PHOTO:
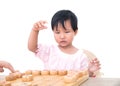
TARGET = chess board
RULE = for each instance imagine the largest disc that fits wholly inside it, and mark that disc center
(69, 79)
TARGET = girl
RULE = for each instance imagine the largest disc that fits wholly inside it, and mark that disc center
(63, 56)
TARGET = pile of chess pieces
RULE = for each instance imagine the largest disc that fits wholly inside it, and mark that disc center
(45, 78)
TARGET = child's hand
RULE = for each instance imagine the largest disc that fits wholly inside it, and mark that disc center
(40, 25)
(4, 64)
(94, 65)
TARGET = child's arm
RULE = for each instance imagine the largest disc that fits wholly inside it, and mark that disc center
(33, 38)
(4, 64)
(94, 65)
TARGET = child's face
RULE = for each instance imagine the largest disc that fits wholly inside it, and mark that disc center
(64, 36)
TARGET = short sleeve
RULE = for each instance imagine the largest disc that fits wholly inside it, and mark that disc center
(43, 52)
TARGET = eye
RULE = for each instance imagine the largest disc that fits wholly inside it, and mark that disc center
(67, 32)
(57, 32)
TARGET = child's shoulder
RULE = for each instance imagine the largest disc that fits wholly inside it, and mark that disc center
(47, 46)
(80, 50)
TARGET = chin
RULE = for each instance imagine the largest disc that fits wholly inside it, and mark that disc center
(63, 45)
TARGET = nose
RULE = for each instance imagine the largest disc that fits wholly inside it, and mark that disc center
(62, 35)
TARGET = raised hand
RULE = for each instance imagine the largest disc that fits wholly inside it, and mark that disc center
(40, 25)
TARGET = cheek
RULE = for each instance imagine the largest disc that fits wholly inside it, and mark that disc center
(70, 36)
(56, 37)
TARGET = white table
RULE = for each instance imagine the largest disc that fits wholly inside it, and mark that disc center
(102, 82)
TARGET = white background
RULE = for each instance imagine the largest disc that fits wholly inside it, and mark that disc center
(99, 24)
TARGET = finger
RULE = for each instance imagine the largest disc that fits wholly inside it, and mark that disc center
(41, 23)
(96, 61)
(1, 66)
(44, 22)
(11, 68)
(97, 65)
(92, 62)
(44, 26)
(98, 68)
(36, 25)
(1, 70)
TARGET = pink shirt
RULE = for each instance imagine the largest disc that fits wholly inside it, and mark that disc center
(55, 59)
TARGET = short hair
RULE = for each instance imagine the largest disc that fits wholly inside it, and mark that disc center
(61, 16)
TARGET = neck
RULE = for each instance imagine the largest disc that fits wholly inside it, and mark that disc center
(68, 49)
(65, 47)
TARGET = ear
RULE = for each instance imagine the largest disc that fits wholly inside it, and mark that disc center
(76, 32)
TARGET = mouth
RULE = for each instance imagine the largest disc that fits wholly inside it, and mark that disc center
(62, 41)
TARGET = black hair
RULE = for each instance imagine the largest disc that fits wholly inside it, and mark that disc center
(63, 15)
